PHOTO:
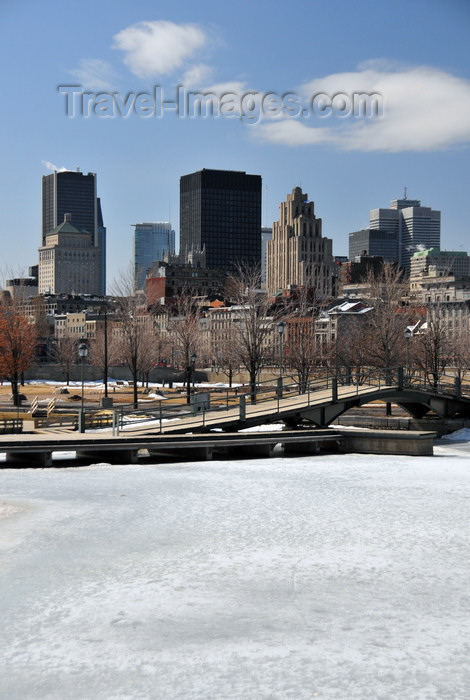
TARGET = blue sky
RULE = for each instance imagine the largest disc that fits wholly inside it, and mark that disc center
(414, 55)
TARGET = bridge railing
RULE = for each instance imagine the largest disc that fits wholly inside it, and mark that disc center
(247, 403)
(328, 384)
(439, 383)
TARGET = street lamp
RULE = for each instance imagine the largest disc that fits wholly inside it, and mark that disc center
(408, 334)
(281, 326)
(82, 353)
(104, 308)
(193, 362)
(190, 372)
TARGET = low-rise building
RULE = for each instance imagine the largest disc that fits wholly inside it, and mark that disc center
(434, 262)
(432, 289)
(167, 281)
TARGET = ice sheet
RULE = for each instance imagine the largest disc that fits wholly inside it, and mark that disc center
(327, 576)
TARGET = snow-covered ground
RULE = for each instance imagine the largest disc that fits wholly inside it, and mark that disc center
(341, 577)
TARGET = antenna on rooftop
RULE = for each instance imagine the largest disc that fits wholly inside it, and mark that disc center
(404, 196)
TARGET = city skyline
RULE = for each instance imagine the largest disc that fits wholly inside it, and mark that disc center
(348, 166)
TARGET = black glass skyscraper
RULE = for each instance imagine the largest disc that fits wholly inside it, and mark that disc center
(220, 212)
(73, 192)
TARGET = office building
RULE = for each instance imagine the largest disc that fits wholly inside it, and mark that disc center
(220, 215)
(298, 254)
(416, 227)
(69, 261)
(152, 243)
(73, 192)
(376, 243)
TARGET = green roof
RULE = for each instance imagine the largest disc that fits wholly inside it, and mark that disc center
(66, 227)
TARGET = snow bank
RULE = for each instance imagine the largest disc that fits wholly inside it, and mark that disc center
(462, 435)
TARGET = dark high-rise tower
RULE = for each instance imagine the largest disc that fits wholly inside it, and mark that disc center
(72, 192)
(220, 213)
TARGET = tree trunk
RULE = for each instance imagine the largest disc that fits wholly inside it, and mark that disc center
(135, 375)
(14, 389)
(253, 373)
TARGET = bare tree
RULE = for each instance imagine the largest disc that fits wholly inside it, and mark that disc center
(184, 329)
(433, 347)
(103, 351)
(305, 351)
(256, 318)
(227, 355)
(148, 355)
(351, 350)
(65, 354)
(383, 332)
(131, 328)
(461, 352)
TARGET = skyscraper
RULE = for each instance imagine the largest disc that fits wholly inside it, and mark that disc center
(220, 213)
(151, 242)
(416, 227)
(73, 192)
(298, 254)
(374, 242)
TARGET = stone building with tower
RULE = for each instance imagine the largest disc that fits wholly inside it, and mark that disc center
(69, 261)
(298, 255)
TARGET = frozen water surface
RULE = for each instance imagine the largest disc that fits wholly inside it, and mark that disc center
(340, 577)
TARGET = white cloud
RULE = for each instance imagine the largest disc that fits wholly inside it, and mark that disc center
(233, 87)
(197, 75)
(94, 74)
(290, 132)
(54, 168)
(424, 109)
(158, 48)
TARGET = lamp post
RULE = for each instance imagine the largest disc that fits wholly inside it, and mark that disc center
(408, 334)
(281, 326)
(82, 353)
(105, 368)
(190, 372)
(193, 362)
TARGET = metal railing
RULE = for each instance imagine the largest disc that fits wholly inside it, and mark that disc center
(246, 403)
(11, 426)
(329, 384)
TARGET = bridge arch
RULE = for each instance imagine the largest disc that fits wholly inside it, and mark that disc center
(415, 402)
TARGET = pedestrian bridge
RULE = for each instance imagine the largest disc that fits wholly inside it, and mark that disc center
(326, 398)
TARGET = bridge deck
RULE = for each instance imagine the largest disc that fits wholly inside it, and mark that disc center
(258, 413)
